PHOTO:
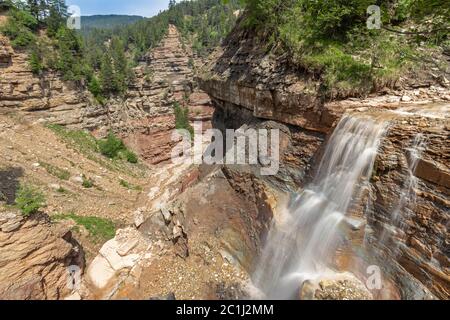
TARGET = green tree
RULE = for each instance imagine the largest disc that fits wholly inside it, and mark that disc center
(107, 79)
(35, 62)
(120, 63)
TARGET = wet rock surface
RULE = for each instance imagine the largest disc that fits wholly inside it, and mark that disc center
(249, 87)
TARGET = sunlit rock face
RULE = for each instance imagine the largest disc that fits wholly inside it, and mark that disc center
(35, 256)
(44, 97)
(145, 118)
(409, 216)
(399, 221)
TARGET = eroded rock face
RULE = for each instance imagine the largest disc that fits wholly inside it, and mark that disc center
(243, 74)
(119, 260)
(44, 97)
(410, 215)
(146, 117)
(249, 87)
(34, 257)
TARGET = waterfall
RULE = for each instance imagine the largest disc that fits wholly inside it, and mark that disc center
(407, 197)
(302, 242)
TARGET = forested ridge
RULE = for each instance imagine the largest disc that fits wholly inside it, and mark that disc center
(329, 40)
(103, 58)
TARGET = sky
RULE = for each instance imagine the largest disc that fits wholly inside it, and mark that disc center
(146, 8)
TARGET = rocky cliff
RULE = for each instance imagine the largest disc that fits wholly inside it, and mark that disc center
(44, 97)
(35, 256)
(144, 117)
(253, 89)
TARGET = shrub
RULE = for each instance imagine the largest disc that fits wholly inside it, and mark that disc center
(111, 146)
(29, 200)
(182, 119)
(94, 87)
(87, 183)
(114, 148)
(130, 156)
(35, 63)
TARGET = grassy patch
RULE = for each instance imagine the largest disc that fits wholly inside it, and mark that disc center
(100, 229)
(87, 182)
(80, 139)
(110, 153)
(29, 200)
(129, 186)
(55, 171)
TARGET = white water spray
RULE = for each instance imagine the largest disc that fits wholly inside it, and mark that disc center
(407, 195)
(302, 245)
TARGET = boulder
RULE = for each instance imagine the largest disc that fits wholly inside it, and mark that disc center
(116, 259)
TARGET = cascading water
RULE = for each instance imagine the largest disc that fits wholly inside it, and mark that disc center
(301, 245)
(407, 194)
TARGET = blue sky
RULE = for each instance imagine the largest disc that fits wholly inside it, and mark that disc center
(146, 8)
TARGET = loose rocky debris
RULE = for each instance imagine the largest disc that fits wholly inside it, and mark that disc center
(339, 287)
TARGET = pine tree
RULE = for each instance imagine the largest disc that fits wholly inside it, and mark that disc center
(120, 64)
(107, 79)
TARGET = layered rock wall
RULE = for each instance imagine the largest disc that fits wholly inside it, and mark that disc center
(252, 89)
(44, 97)
(34, 258)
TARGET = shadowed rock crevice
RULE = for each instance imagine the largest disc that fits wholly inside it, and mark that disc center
(9, 184)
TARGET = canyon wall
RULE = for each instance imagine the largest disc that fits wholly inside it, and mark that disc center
(144, 117)
(253, 89)
(44, 97)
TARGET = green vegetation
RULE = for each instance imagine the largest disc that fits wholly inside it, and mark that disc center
(29, 200)
(87, 182)
(114, 148)
(20, 28)
(204, 23)
(80, 139)
(129, 186)
(103, 58)
(330, 39)
(182, 118)
(99, 229)
(111, 147)
(61, 49)
(62, 190)
(55, 171)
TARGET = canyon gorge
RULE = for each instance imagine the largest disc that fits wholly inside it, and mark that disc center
(363, 183)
